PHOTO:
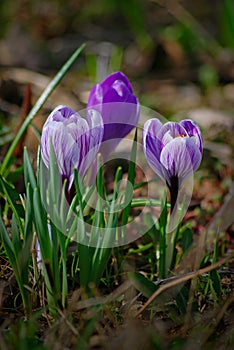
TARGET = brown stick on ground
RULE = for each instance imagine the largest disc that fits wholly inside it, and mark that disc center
(183, 279)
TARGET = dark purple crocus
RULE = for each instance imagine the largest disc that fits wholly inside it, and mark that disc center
(76, 141)
(113, 98)
(173, 150)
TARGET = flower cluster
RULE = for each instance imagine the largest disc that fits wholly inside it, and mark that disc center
(173, 150)
(113, 111)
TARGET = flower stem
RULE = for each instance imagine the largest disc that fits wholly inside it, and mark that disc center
(174, 189)
(170, 236)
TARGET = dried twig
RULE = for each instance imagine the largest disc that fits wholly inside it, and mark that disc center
(183, 279)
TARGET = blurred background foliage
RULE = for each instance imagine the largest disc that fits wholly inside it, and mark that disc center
(186, 32)
(174, 50)
(177, 52)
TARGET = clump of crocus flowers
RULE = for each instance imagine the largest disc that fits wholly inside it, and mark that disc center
(112, 112)
(173, 150)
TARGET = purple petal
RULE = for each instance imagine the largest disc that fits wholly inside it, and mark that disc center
(193, 131)
(119, 108)
(60, 114)
(93, 141)
(180, 157)
(152, 146)
(96, 96)
(112, 78)
(96, 128)
(171, 130)
(75, 142)
(119, 85)
(119, 119)
(119, 92)
(64, 148)
(150, 136)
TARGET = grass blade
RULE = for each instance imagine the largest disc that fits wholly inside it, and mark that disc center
(141, 283)
(38, 105)
(12, 198)
(29, 177)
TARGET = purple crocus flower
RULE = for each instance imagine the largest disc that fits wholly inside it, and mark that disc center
(173, 150)
(113, 98)
(76, 141)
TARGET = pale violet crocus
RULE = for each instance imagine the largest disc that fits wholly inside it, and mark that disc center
(76, 141)
(114, 99)
(173, 150)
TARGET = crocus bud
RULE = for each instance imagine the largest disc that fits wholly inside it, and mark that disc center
(75, 141)
(113, 98)
(173, 150)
